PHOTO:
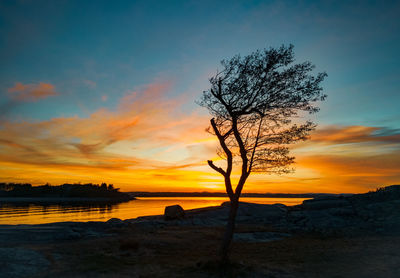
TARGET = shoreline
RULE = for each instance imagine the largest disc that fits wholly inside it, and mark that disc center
(27, 213)
(244, 195)
(55, 200)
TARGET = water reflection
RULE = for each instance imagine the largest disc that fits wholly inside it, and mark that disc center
(23, 213)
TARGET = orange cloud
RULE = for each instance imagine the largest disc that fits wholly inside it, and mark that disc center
(31, 92)
(355, 134)
(349, 173)
(145, 141)
(339, 159)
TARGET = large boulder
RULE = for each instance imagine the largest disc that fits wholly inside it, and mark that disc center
(174, 212)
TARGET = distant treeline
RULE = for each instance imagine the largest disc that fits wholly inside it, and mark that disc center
(76, 190)
(387, 193)
(220, 194)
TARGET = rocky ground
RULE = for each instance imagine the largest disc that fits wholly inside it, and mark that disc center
(356, 236)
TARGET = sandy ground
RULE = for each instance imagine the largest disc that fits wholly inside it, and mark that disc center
(175, 251)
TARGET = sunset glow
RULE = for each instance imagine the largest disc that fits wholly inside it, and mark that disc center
(114, 101)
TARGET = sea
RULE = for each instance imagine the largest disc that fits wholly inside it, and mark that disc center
(22, 213)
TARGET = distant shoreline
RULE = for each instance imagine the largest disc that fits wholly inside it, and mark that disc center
(56, 200)
(64, 193)
(220, 194)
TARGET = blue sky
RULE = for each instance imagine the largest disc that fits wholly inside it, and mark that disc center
(126, 44)
(93, 53)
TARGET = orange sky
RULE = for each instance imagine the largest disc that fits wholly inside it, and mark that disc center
(147, 143)
(104, 91)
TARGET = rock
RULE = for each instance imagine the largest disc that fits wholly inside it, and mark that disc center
(174, 212)
(21, 262)
(311, 220)
(67, 234)
(116, 222)
(259, 236)
(92, 234)
(328, 215)
(226, 204)
(248, 213)
(266, 214)
(325, 203)
(342, 211)
(149, 225)
(197, 221)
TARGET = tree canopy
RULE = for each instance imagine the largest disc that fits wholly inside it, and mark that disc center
(254, 100)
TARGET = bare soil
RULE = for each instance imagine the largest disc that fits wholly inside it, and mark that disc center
(174, 251)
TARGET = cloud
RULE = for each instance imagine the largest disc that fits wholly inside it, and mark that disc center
(347, 159)
(355, 134)
(146, 134)
(148, 143)
(89, 83)
(31, 92)
(353, 173)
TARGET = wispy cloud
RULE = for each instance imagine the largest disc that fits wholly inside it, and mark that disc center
(146, 133)
(355, 134)
(31, 92)
(148, 143)
(89, 83)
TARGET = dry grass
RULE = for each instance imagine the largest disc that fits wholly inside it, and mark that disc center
(192, 252)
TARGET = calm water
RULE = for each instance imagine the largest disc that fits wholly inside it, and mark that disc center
(38, 214)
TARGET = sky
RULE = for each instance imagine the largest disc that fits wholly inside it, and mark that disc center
(105, 91)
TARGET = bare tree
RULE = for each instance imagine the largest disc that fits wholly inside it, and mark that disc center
(256, 102)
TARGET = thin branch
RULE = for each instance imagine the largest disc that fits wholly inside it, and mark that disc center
(218, 169)
(229, 158)
(255, 146)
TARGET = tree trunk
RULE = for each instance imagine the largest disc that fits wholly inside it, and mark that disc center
(230, 227)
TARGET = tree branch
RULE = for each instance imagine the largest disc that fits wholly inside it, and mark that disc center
(243, 155)
(255, 146)
(229, 158)
(218, 169)
(221, 140)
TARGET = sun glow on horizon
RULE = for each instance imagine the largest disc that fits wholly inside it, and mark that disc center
(141, 151)
(108, 94)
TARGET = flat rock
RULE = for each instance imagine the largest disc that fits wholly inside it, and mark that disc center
(21, 262)
(325, 203)
(259, 236)
(260, 213)
(116, 222)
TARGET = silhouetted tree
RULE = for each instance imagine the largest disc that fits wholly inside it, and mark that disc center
(253, 101)
(88, 190)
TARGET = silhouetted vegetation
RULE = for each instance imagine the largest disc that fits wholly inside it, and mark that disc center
(381, 194)
(253, 101)
(88, 190)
